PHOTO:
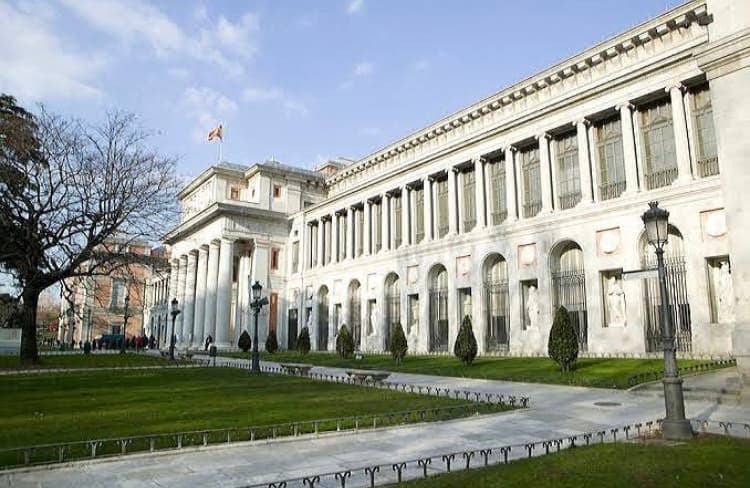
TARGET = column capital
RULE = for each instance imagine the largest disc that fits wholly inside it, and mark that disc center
(543, 136)
(625, 104)
(215, 242)
(228, 240)
(675, 86)
(203, 248)
(510, 148)
(478, 160)
(582, 121)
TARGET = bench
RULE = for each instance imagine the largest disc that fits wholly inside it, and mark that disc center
(362, 375)
(297, 369)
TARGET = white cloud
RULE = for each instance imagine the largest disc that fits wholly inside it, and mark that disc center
(261, 94)
(355, 6)
(37, 64)
(136, 22)
(291, 106)
(295, 108)
(364, 68)
(207, 107)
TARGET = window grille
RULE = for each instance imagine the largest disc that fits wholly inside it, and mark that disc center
(441, 188)
(611, 159)
(469, 200)
(568, 174)
(532, 181)
(659, 153)
(419, 214)
(705, 136)
(499, 211)
(397, 209)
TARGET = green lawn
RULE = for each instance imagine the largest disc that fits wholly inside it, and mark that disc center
(52, 408)
(86, 361)
(603, 373)
(708, 461)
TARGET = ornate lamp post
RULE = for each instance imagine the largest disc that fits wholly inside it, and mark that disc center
(675, 426)
(256, 304)
(125, 324)
(175, 312)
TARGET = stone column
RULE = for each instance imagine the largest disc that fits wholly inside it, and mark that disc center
(350, 233)
(385, 219)
(480, 193)
(173, 277)
(224, 293)
(510, 183)
(240, 311)
(428, 223)
(367, 229)
(452, 202)
(200, 297)
(335, 238)
(584, 160)
(188, 311)
(212, 278)
(405, 215)
(628, 147)
(521, 194)
(545, 168)
(682, 150)
(181, 277)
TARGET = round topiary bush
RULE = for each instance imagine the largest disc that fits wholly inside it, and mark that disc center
(303, 341)
(344, 343)
(563, 341)
(399, 346)
(465, 347)
(245, 342)
(272, 343)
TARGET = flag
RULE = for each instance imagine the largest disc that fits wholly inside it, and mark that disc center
(215, 134)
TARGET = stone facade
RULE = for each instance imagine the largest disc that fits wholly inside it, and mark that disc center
(525, 201)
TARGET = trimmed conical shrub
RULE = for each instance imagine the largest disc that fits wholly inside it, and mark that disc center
(303, 341)
(272, 343)
(245, 342)
(399, 346)
(344, 343)
(465, 347)
(563, 341)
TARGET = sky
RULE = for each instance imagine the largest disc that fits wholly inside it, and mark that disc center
(298, 81)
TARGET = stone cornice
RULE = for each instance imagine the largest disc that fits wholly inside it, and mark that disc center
(679, 19)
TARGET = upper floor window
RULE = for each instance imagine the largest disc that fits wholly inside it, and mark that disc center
(703, 128)
(295, 256)
(441, 193)
(359, 236)
(234, 193)
(660, 158)
(277, 191)
(469, 200)
(118, 293)
(377, 227)
(499, 210)
(419, 215)
(568, 178)
(343, 229)
(531, 178)
(397, 215)
(611, 159)
(275, 258)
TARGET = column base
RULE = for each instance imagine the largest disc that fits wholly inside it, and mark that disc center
(222, 346)
(677, 430)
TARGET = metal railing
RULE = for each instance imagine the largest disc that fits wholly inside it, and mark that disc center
(609, 191)
(532, 208)
(647, 376)
(569, 200)
(499, 216)
(708, 167)
(447, 462)
(661, 178)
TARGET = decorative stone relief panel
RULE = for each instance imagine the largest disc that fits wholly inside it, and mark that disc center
(412, 275)
(463, 266)
(713, 224)
(527, 255)
(608, 242)
(372, 281)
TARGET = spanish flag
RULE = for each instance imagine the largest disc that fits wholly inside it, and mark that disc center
(215, 134)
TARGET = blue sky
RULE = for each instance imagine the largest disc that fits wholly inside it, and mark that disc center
(302, 81)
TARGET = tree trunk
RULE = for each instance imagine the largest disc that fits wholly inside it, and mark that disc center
(29, 354)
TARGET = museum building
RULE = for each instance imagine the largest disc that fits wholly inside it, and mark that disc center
(504, 211)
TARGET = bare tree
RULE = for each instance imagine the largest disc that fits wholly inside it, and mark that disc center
(87, 186)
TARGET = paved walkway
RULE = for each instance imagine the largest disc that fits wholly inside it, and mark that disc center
(556, 412)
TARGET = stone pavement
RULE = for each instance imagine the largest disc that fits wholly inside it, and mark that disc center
(556, 412)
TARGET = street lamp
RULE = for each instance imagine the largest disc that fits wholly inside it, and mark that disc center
(256, 304)
(125, 324)
(675, 426)
(71, 320)
(175, 312)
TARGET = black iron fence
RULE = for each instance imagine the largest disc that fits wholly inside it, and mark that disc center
(644, 377)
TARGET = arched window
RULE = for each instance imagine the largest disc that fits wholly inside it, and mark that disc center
(392, 306)
(438, 309)
(355, 313)
(496, 303)
(323, 318)
(679, 306)
(569, 287)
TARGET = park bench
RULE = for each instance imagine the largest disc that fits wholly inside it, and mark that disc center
(362, 375)
(296, 369)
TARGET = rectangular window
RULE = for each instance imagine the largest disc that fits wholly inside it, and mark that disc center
(277, 191)
(660, 157)
(342, 235)
(119, 290)
(703, 130)
(234, 193)
(327, 240)
(295, 256)
(499, 210)
(396, 202)
(115, 329)
(611, 159)
(377, 227)
(441, 192)
(531, 178)
(360, 216)
(469, 200)
(412, 325)
(419, 215)
(274, 259)
(568, 174)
